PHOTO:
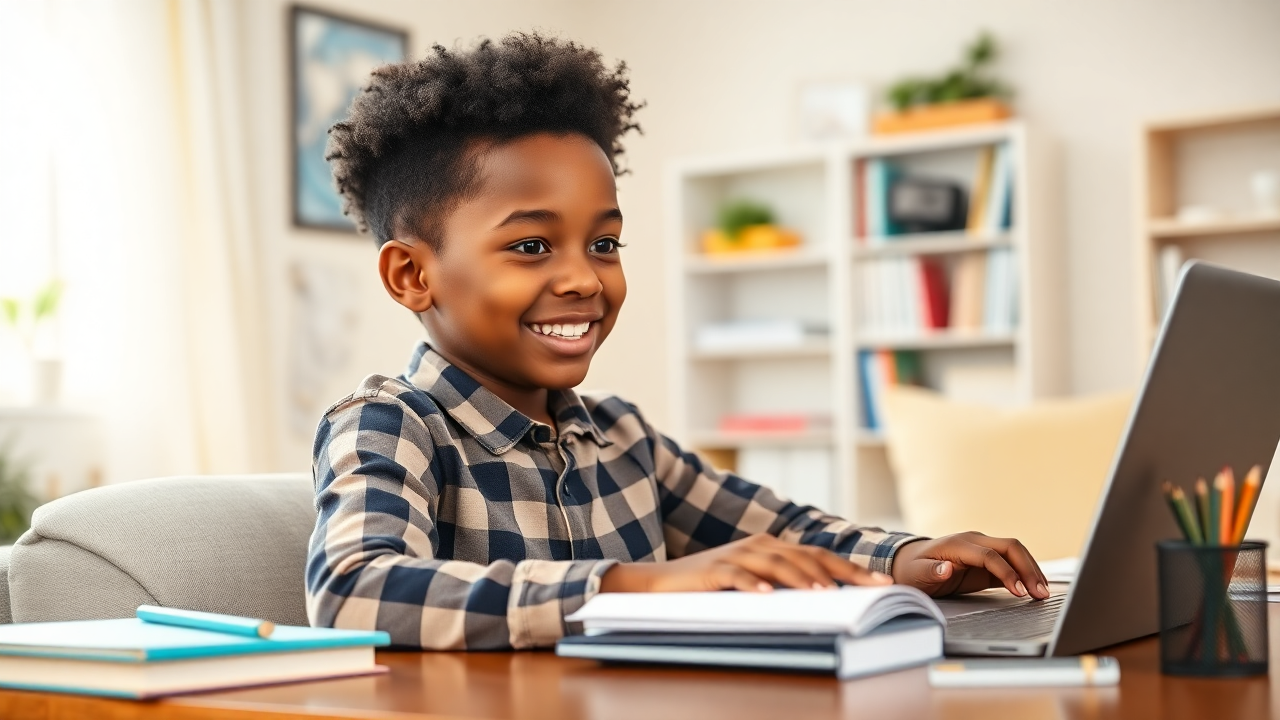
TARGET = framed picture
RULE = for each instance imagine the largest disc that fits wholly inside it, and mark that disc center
(331, 57)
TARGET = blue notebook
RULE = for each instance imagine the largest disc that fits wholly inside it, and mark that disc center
(132, 658)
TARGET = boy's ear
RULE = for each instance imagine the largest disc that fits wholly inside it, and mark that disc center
(403, 268)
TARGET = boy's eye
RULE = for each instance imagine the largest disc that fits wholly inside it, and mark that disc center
(531, 247)
(605, 246)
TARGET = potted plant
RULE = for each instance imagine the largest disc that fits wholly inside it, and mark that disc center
(962, 95)
(27, 319)
(16, 500)
(746, 226)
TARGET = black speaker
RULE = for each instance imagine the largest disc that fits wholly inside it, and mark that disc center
(927, 205)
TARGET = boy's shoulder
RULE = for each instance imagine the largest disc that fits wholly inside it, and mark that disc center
(383, 390)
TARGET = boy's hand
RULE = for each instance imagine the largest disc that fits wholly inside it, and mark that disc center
(752, 564)
(968, 562)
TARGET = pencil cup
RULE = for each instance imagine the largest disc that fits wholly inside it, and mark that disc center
(1213, 609)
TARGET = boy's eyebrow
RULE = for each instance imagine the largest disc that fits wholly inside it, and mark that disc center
(534, 216)
(537, 216)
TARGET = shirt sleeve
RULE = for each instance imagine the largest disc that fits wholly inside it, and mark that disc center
(372, 562)
(703, 507)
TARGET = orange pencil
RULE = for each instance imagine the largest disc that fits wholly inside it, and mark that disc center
(1225, 484)
(1249, 490)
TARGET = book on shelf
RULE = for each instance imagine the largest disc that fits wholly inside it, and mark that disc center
(850, 632)
(879, 369)
(877, 176)
(774, 423)
(743, 335)
(901, 295)
(991, 199)
(800, 474)
(132, 658)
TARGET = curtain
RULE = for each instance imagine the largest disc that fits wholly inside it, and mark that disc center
(150, 225)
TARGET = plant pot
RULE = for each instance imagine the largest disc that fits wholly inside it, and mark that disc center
(950, 114)
(46, 381)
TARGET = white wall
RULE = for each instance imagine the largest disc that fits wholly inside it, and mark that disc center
(721, 76)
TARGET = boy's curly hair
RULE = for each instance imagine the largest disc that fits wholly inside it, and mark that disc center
(407, 151)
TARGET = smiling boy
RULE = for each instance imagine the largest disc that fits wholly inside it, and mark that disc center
(476, 500)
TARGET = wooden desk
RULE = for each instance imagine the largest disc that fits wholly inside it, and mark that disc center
(536, 685)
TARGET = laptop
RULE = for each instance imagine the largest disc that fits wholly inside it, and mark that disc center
(1210, 397)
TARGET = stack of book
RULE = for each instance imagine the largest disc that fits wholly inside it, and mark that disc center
(878, 369)
(176, 651)
(745, 335)
(851, 632)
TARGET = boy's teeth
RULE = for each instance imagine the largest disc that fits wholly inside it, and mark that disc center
(562, 330)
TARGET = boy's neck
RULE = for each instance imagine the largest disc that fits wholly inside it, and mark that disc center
(532, 403)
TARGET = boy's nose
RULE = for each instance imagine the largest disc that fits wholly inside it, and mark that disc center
(577, 276)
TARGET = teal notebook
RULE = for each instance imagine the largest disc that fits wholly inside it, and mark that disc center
(132, 658)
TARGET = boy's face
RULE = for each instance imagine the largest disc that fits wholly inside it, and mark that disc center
(528, 281)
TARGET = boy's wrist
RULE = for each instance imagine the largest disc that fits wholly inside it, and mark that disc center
(625, 577)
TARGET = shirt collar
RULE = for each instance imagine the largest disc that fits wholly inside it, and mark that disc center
(495, 425)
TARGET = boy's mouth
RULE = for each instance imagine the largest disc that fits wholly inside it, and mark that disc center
(568, 339)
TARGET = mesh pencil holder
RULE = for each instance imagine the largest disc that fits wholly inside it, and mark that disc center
(1213, 609)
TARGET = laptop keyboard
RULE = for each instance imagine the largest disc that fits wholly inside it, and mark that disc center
(1017, 622)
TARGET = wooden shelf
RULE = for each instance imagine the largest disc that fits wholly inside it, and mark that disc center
(952, 339)
(714, 439)
(807, 349)
(1172, 228)
(940, 243)
(754, 262)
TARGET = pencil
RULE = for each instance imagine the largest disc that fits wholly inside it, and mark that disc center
(1249, 490)
(1185, 518)
(1202, 503)
(1211, 531)
(1225, 484)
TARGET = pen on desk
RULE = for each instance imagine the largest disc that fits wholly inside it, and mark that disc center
(231, 624)
(1226, 485)
(1249, 490)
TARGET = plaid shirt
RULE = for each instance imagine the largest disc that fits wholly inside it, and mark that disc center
(452, 521)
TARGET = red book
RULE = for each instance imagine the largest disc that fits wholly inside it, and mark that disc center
(935, 300)
(770, 423)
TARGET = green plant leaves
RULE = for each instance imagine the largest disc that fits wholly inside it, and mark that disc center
(16, 500)
(740, 213)
(964, 82)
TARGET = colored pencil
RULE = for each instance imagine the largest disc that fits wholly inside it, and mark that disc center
(1225, 484)
(1211, 531)
(1202, 503)
(1186, 520)
(1249, 490)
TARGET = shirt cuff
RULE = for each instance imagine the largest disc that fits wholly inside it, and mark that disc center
(881, 559)
(543, 592)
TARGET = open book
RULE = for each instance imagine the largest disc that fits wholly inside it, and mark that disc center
(852, 632)
(851, 610)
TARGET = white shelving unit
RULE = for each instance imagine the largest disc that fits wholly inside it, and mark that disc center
(811, 190)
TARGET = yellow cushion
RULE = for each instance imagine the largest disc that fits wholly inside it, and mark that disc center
(1031, 473)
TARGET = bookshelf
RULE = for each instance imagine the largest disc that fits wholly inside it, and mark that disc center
(1202, 161)
(838, 462)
